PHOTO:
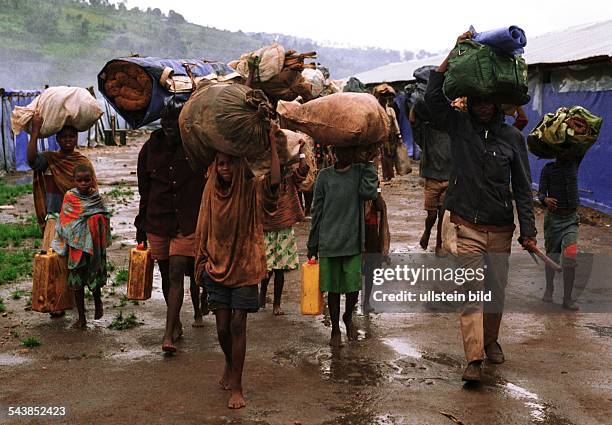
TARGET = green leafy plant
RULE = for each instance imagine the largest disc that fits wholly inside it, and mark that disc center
(17, 294)
(30, 342)
(2, 305)
(121, 277)
(121, 323)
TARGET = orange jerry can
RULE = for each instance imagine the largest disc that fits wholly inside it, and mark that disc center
(312, 298)
(140, 274)
(50, 291)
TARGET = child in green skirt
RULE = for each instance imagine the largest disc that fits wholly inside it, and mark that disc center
(337, 233)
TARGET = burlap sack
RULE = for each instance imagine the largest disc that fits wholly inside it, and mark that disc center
(59, 106)
(341, 119)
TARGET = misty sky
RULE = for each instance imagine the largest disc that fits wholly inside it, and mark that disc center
(396, 24)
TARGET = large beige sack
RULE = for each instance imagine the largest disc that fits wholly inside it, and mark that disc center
(270, 61)
(449, 234)
(59, 106)
(341, 119)
(316, 80)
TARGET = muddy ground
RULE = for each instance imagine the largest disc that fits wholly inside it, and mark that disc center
(405, 368)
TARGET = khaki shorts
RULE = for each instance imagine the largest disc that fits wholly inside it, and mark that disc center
(163, 247)
(434, 194)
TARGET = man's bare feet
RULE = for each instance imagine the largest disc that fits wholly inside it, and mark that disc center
(224, 381)
(178, 332)
(236, 400)
(336, 340)
(198, 322)
(351, 330)
(276, 309)
(99, 310)
(79, 324)
(168, 347)
(424, 242)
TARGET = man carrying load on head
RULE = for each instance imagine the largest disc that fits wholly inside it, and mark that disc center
(170, 193)
(489, 157)
(53, 176)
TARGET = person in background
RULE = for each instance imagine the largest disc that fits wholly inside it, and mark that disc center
(83, 234)
(231, 259)
(278, 221)
(435, 168)
(389, 147)
(519, 115)
(559, 192)
(337, 233)
(170, 192)
(489, 157)
(53, 177)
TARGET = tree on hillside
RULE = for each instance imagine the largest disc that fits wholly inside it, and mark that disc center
(175, 18)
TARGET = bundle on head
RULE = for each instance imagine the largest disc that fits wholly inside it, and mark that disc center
(340, 119)
(383, 90)
(277, 72)
(128, 85)
(229, 118)
(569, 132)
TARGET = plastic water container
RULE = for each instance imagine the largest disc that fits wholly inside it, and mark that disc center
(50, 291)
(140, 274)
(312, 298)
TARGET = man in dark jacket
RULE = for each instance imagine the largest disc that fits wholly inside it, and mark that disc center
(489, 157)
(170, 194)
(435, 168)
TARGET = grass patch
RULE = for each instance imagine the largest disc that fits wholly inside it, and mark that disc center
(120, 192)
(17, 294)
(2, 305)
(10, 192)
(122, 302)
(31, 342)
(121, 323)
(15, 233)
(121, 277)
(15, 264)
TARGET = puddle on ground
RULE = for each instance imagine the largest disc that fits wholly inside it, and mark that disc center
(402, 347)
(133, 354)
(603, 331)
(11, 360)
(363, 418)
(541, 413)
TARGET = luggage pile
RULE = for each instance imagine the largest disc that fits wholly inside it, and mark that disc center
(567, 132)
(277, 72)
(489, 65)
(138, 87)
(59, 106)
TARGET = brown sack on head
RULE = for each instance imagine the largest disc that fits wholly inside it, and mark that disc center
(341, 119)
(287, 86)
(288, 151)
(230, 118)
(128, 85)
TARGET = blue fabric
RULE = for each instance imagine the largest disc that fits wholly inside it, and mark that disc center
(595, 173)
(509, 40)
(159, 95)
(404, 124)
(13, 150)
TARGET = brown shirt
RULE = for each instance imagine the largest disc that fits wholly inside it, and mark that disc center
(170, 191)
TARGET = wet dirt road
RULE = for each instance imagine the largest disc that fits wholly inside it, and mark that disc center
(405, 368)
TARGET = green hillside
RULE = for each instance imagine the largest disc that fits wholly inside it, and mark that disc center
(67, 42)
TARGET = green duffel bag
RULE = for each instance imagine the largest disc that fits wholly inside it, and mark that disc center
(474, 70)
